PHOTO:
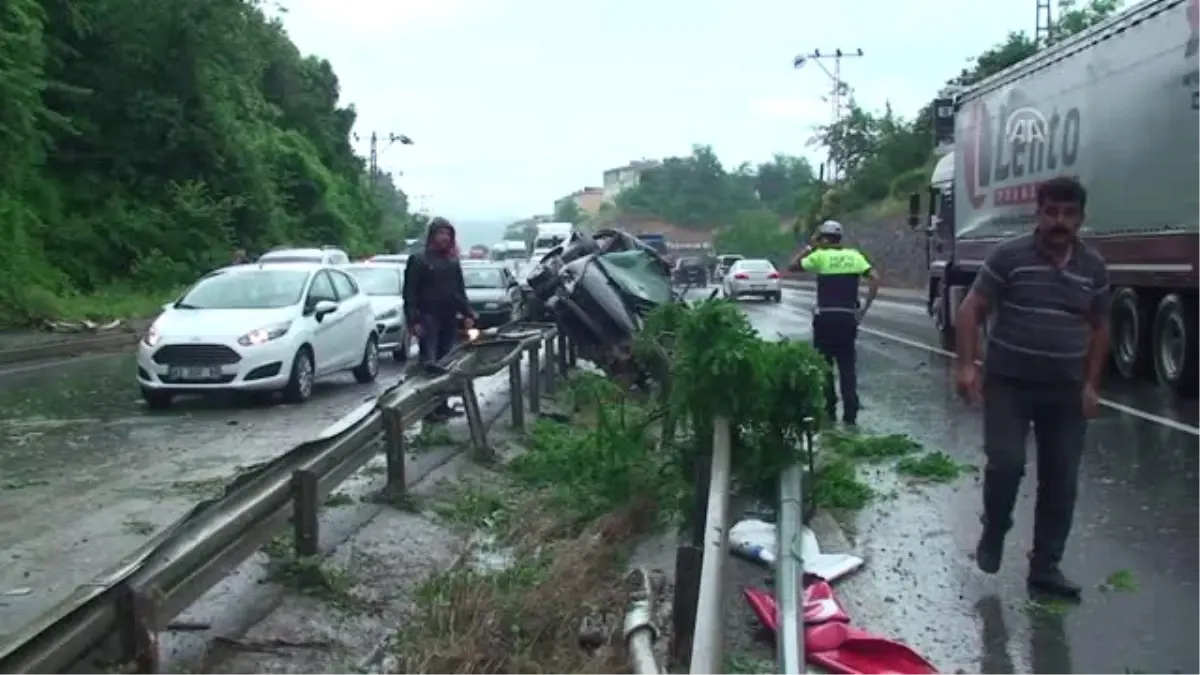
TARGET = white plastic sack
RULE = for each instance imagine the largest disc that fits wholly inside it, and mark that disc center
(754, 540)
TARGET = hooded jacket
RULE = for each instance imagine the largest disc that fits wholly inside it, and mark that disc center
(433, 280)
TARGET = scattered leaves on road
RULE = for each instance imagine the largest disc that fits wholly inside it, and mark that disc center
(1121, 581)
(935, 467)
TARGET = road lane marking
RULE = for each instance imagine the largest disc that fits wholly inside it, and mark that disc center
(1120, 407)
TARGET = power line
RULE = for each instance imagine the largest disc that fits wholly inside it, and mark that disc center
(839, 91)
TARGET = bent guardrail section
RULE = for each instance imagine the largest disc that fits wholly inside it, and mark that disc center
(117, 618)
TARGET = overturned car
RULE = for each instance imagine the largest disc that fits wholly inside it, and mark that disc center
(598, 288)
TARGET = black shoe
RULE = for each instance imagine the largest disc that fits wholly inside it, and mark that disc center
(435, 416)
(989, 552)
(1052, 581)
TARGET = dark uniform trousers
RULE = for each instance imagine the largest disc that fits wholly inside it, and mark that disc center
(1055, 412)
(834, 336)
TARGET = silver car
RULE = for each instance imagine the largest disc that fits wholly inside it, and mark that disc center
(384, 286)
(753, 277)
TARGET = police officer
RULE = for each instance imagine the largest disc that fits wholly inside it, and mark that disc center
(838, 312)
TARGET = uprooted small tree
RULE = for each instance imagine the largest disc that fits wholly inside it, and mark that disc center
(716, 365)
(572, 505)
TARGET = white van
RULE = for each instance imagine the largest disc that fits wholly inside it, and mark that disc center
(550, 235)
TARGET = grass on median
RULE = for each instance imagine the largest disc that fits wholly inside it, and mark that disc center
(564, 515)
(41, 306)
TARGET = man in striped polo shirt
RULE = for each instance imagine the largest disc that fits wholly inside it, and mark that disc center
(1048, 298)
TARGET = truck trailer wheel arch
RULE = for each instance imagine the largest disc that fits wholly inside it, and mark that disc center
(1130, 327)
(1174, 344)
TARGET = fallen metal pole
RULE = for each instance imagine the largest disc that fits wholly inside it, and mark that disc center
(708, 640)
(640, 633)
(789, 572)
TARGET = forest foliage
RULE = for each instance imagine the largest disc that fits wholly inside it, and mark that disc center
(881, 156)
(146, 140)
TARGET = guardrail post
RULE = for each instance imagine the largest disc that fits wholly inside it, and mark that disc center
(304, 512)
(551, 364)
(563, 352)
(516, 393)
(689, 556)
(535, 378)
(573, 355)
(394, 450)
(474, 418)
(707, 644)
(138, 633)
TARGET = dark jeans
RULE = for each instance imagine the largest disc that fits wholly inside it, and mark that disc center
(834, 336)
(1055, 412)
(438, 335)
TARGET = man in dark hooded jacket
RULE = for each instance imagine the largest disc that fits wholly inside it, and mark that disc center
(435, 296)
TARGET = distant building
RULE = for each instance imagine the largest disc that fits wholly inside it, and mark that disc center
(588, 200)
(624, 177)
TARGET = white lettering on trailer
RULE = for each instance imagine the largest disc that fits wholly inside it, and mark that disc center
(1026, 125)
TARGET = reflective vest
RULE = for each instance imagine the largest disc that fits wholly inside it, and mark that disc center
(838, 271)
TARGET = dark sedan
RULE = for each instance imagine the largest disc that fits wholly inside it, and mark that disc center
(493, 293)
(689, 272)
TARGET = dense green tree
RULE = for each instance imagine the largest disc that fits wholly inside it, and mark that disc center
(567, 211)
(755, 234)
(146, 139)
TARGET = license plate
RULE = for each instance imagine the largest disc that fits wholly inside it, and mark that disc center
(760, 287)
(195, 373)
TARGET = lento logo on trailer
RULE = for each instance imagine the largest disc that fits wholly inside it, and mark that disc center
(1005, 157)
(1025, 125)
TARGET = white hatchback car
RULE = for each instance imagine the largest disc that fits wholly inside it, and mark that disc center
(259, 327)
(753, 277)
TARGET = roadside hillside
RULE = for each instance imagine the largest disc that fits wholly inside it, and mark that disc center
(895, 250)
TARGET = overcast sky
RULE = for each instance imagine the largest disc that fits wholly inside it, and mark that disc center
(514, 103)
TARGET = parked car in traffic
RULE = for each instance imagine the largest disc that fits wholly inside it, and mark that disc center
(384, 286)
(259, 328)
(493, 293)
(689, 272)
(724, 262)
(753, 277)
(325, 255)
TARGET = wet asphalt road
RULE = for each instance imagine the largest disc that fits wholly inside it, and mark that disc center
(1137, 519)
(87, 473)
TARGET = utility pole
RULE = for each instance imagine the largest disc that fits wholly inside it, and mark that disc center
(373, 157)
(1043, 33)
(840, 89)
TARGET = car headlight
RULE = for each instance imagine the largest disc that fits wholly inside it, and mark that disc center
(152, 337)
(388, 314)
(265, 334)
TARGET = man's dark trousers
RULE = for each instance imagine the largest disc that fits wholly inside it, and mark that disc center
(439, 332)
(834, 336)
(1055, 411)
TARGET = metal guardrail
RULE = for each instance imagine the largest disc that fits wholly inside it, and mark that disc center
(705, 634)
(117, 618)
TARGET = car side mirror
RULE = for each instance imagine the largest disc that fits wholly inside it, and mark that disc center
(914, 210)
(323, 308)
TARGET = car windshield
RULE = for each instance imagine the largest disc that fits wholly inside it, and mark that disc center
(755, 265)
(377, 280)
(252, 289)
(482, 277)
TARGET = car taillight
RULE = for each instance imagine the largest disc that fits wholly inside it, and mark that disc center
(741, 275)
(773, 275)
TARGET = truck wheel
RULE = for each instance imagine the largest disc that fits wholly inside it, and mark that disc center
(1130, 334)
(1174, 343)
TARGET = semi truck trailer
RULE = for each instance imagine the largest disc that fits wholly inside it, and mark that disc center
(1116, 107)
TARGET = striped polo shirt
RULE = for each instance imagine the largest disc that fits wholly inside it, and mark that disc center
(1039, 313)
(838, 271)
